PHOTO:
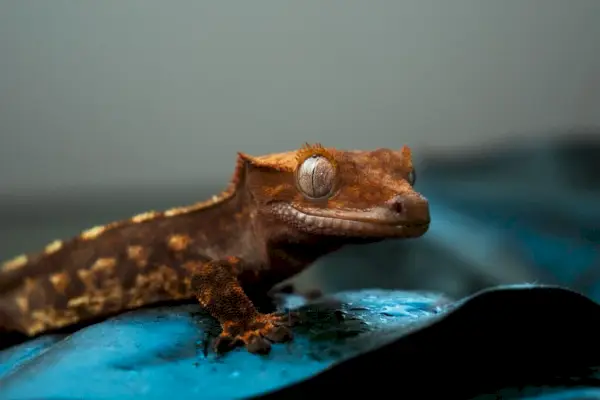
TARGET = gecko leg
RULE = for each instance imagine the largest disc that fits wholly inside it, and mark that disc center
(217, 289)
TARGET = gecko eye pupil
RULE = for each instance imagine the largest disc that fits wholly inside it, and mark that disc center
(316, 176)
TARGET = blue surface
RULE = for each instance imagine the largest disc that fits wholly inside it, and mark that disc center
(511, 342)
(159, 353)
(569, 394)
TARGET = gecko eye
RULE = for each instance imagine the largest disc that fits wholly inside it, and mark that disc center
(316, 176)
(412, 177)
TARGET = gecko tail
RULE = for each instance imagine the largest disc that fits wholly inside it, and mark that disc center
(7, 320)
(10, 334)
(12, 272)
(10, 279)
(4, 321)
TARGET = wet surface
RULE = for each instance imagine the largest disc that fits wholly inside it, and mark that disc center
(519, 342)
(161, 352)
(523, 341)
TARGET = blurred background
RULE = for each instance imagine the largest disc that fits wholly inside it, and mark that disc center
(111, 108)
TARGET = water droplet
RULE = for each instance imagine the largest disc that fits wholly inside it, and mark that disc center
(399, 310)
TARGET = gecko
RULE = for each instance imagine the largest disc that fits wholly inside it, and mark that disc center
(279, 213)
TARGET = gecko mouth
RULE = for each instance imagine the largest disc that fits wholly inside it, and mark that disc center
(371, 223)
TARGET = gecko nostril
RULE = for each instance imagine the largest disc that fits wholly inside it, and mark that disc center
(397, 205)
(410, 208)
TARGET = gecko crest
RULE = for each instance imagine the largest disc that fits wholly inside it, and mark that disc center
(93, 233)
(317, 149)
(16, 263)
(53, 247)
(406, 157)
(146, 216)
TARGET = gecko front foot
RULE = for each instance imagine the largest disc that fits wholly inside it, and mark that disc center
(257, 334)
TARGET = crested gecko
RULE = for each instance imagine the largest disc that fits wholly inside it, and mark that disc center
(279, 214)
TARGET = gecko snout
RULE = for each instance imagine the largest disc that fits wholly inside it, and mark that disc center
(410, 209)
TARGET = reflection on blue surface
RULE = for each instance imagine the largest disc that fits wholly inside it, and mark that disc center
(159, 353)
(569, 394)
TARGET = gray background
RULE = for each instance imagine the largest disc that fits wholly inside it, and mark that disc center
(109, 108)
(100, 94)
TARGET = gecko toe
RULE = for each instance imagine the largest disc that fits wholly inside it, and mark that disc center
(224, 343)
(287, 318)
(256, 335)
(279, 334)
(257, 344)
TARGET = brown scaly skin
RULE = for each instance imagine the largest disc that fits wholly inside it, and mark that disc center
(280, 213)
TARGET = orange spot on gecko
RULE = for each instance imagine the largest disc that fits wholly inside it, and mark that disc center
(90, 277)
(29, 295)
(15, 263)
(103, 291)
(77, 302)
(145, 217)
(48, 317)
(53, 247)
(161, 283)
(60, 281)
(93, 233)
(139, 255)
(34, 327)
(86, 277)
(232, 259)
(169, 281)
(178, 242)
(23, 304)
(104, 264)
(176, 211)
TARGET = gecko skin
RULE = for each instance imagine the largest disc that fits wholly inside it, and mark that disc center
(278, 215)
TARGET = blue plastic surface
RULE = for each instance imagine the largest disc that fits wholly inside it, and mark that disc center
(159, 352)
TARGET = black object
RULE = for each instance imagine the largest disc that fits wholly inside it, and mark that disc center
(530, 339)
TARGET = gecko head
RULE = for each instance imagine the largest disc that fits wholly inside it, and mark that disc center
(366, 195)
